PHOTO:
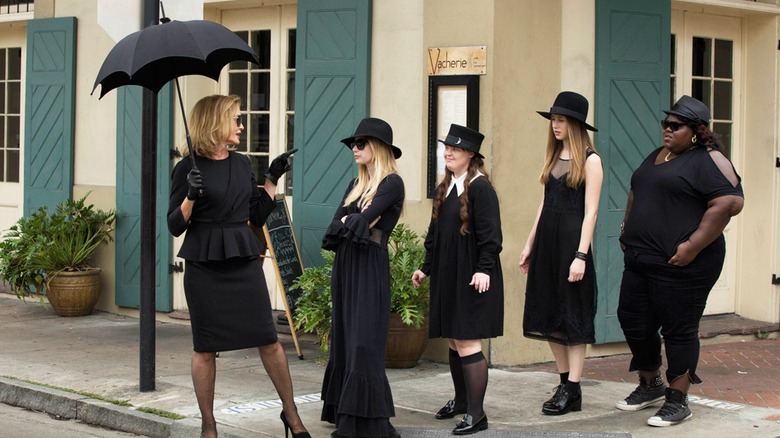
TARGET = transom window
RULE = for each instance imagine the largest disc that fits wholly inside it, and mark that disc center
(10, 113)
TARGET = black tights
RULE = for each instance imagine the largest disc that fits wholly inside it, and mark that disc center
(456, 370)
(475, 373)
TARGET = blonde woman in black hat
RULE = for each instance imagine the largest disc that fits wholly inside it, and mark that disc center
(355, 389)
(682, 197)
(560, 297)
(462, 259)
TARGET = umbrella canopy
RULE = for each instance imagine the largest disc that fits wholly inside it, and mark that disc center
(158, 54)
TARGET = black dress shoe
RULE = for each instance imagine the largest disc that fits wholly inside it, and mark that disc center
(549, 403)
(467, 426)
(450, 410)
(563, 403)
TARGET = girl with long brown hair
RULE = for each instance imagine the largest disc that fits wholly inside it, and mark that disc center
(467, 288)
(560, 297)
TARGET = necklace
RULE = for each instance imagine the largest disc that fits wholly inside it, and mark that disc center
(669, 154)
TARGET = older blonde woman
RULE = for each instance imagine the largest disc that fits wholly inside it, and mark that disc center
(223, 280)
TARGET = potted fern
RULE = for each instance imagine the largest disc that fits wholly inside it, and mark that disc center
(408, 305)
(57, 247)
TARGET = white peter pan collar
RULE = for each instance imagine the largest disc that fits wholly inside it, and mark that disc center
(458, 182)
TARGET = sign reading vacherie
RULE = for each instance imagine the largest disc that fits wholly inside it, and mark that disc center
(470, 60)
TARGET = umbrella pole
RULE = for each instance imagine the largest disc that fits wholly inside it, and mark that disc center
(186, 128)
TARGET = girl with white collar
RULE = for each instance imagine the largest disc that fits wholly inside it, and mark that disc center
(462, 259)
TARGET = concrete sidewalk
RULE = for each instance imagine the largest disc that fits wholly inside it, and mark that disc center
(99, 354)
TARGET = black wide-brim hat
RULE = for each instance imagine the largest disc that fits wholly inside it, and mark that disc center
(570, 104)
(465, 138)
(692, 109)
(377, 128)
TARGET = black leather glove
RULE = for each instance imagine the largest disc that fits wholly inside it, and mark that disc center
(194, 184)
(280, 165)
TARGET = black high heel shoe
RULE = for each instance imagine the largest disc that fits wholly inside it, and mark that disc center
(288, 429)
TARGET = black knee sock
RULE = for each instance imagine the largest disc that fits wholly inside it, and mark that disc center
(456, 370)
(475, 371)
(564, 377)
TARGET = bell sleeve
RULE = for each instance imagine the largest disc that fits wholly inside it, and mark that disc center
(334, 232)
(486, 220)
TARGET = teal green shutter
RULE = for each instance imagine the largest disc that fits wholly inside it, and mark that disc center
(632, 87)
(128, 198)
(49, 112)
(331, 97)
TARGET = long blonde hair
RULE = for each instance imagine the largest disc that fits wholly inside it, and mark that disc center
(210, 123)
(384, 164)
(579, 143)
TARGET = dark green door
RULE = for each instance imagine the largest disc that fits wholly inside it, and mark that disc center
(331, 97)
(49, 112)
(128, 199)
(632, 87)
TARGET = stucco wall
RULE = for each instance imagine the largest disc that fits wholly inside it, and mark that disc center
(759, 246)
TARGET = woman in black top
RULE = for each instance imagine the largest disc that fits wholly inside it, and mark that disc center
(682, 197)
(467, 288)
(223, 279)
(355, 391)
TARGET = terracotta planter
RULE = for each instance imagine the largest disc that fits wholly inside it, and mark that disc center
(405, 344)
(74, 293)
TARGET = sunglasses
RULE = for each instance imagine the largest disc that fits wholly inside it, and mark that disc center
(238, 119)
(673, 126)
(359, 144)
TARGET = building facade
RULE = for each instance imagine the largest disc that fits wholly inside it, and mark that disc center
(326, 64)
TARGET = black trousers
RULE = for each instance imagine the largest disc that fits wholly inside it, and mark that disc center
(655, 295)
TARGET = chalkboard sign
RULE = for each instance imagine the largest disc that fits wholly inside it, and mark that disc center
(287, 259)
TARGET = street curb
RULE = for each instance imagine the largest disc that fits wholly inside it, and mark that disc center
(74, 406)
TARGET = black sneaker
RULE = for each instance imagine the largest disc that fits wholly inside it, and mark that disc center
(644, 395)
(675, 410)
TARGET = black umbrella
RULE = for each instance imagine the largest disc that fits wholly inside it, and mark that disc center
(155, 55)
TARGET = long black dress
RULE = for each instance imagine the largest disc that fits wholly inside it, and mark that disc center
(457, 310)
(223, 279)
(557, 310)
(355, 389)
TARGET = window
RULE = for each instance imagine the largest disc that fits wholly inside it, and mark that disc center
(266, 102)
(10, 113)
(712, 80)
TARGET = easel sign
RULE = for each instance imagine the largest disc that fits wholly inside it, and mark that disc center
(287, 259)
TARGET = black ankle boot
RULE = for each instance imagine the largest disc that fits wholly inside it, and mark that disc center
(568, 398)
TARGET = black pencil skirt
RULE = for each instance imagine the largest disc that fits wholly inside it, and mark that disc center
(229, 305)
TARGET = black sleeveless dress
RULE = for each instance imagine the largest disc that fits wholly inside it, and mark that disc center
(555, 309)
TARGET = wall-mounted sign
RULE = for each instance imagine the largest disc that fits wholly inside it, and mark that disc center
(445, 61)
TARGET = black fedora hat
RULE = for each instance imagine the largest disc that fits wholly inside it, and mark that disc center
(692, 109)
(570, 104)
(377, 128)
(465, 138)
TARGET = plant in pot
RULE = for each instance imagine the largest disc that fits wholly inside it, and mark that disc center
(17, 247)
(408, 305)
(59, 247)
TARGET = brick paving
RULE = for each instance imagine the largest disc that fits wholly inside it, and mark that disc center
(745, 372)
